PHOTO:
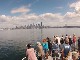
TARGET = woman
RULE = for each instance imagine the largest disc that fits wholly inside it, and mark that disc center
(45, 48)
(30, 53)
(39, 51)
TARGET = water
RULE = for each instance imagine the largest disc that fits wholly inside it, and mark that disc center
(13, 42)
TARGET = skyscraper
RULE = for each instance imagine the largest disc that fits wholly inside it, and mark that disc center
(41, 23)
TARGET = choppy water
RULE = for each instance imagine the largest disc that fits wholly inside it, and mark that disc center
(12, 42)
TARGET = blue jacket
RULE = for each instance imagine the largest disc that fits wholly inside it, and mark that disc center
(45, 45)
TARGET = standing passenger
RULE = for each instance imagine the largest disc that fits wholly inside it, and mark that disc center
(54, 39)
(30, 53)
(70, 40)
(62, 40)
(40, 51)
(58, 38)
(45, 48)
(66, 49)
(49, 45)
(55, 50)
(74, 40)
(79, 43)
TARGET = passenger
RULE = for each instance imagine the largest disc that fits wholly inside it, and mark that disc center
(61, 47)
(66, 50)
(62, 40)
(30, 53)
(79, 55)
(78, 43)
(39, 50)
(49, 45)
(75, 55)
(66, 36)
(74, 40)
(45, 48)
(54, 39)
(70, 40)
(55, 50)
(58, 38)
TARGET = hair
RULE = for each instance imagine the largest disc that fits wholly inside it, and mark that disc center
(48, 38)
(29, 45)
(56, 41)
(67, 41)
(62, 35)
(44, 40)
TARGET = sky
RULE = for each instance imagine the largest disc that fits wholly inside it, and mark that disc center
(50, 12)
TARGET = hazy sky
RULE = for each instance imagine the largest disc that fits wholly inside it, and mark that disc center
(50, 12)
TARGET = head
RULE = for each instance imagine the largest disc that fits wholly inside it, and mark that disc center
(66, 37)
(74, 34)
(44, 40)
(47, 38)
(56, 35)
(29, 46)
(62, 35)
(69, 36)
(67, 41)
(78, 37)
(38, 43)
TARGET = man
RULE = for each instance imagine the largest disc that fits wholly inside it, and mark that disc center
(55, 50)
(78, 43)
(66, 48)
(49, 45)
(74, 40)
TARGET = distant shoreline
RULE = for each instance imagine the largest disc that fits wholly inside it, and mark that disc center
(47, 27)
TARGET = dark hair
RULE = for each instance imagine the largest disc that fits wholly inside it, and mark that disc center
(56, 41)
(29, 45)
(47, 38)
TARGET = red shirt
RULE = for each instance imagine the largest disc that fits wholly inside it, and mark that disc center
(74, 39)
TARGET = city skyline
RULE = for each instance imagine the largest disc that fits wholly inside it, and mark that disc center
(50, 12)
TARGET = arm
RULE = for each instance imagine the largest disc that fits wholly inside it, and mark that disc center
(26, 53)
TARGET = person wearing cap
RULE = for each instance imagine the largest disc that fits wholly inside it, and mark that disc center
(30, 53)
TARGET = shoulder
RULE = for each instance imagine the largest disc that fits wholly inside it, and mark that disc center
(32, 48)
